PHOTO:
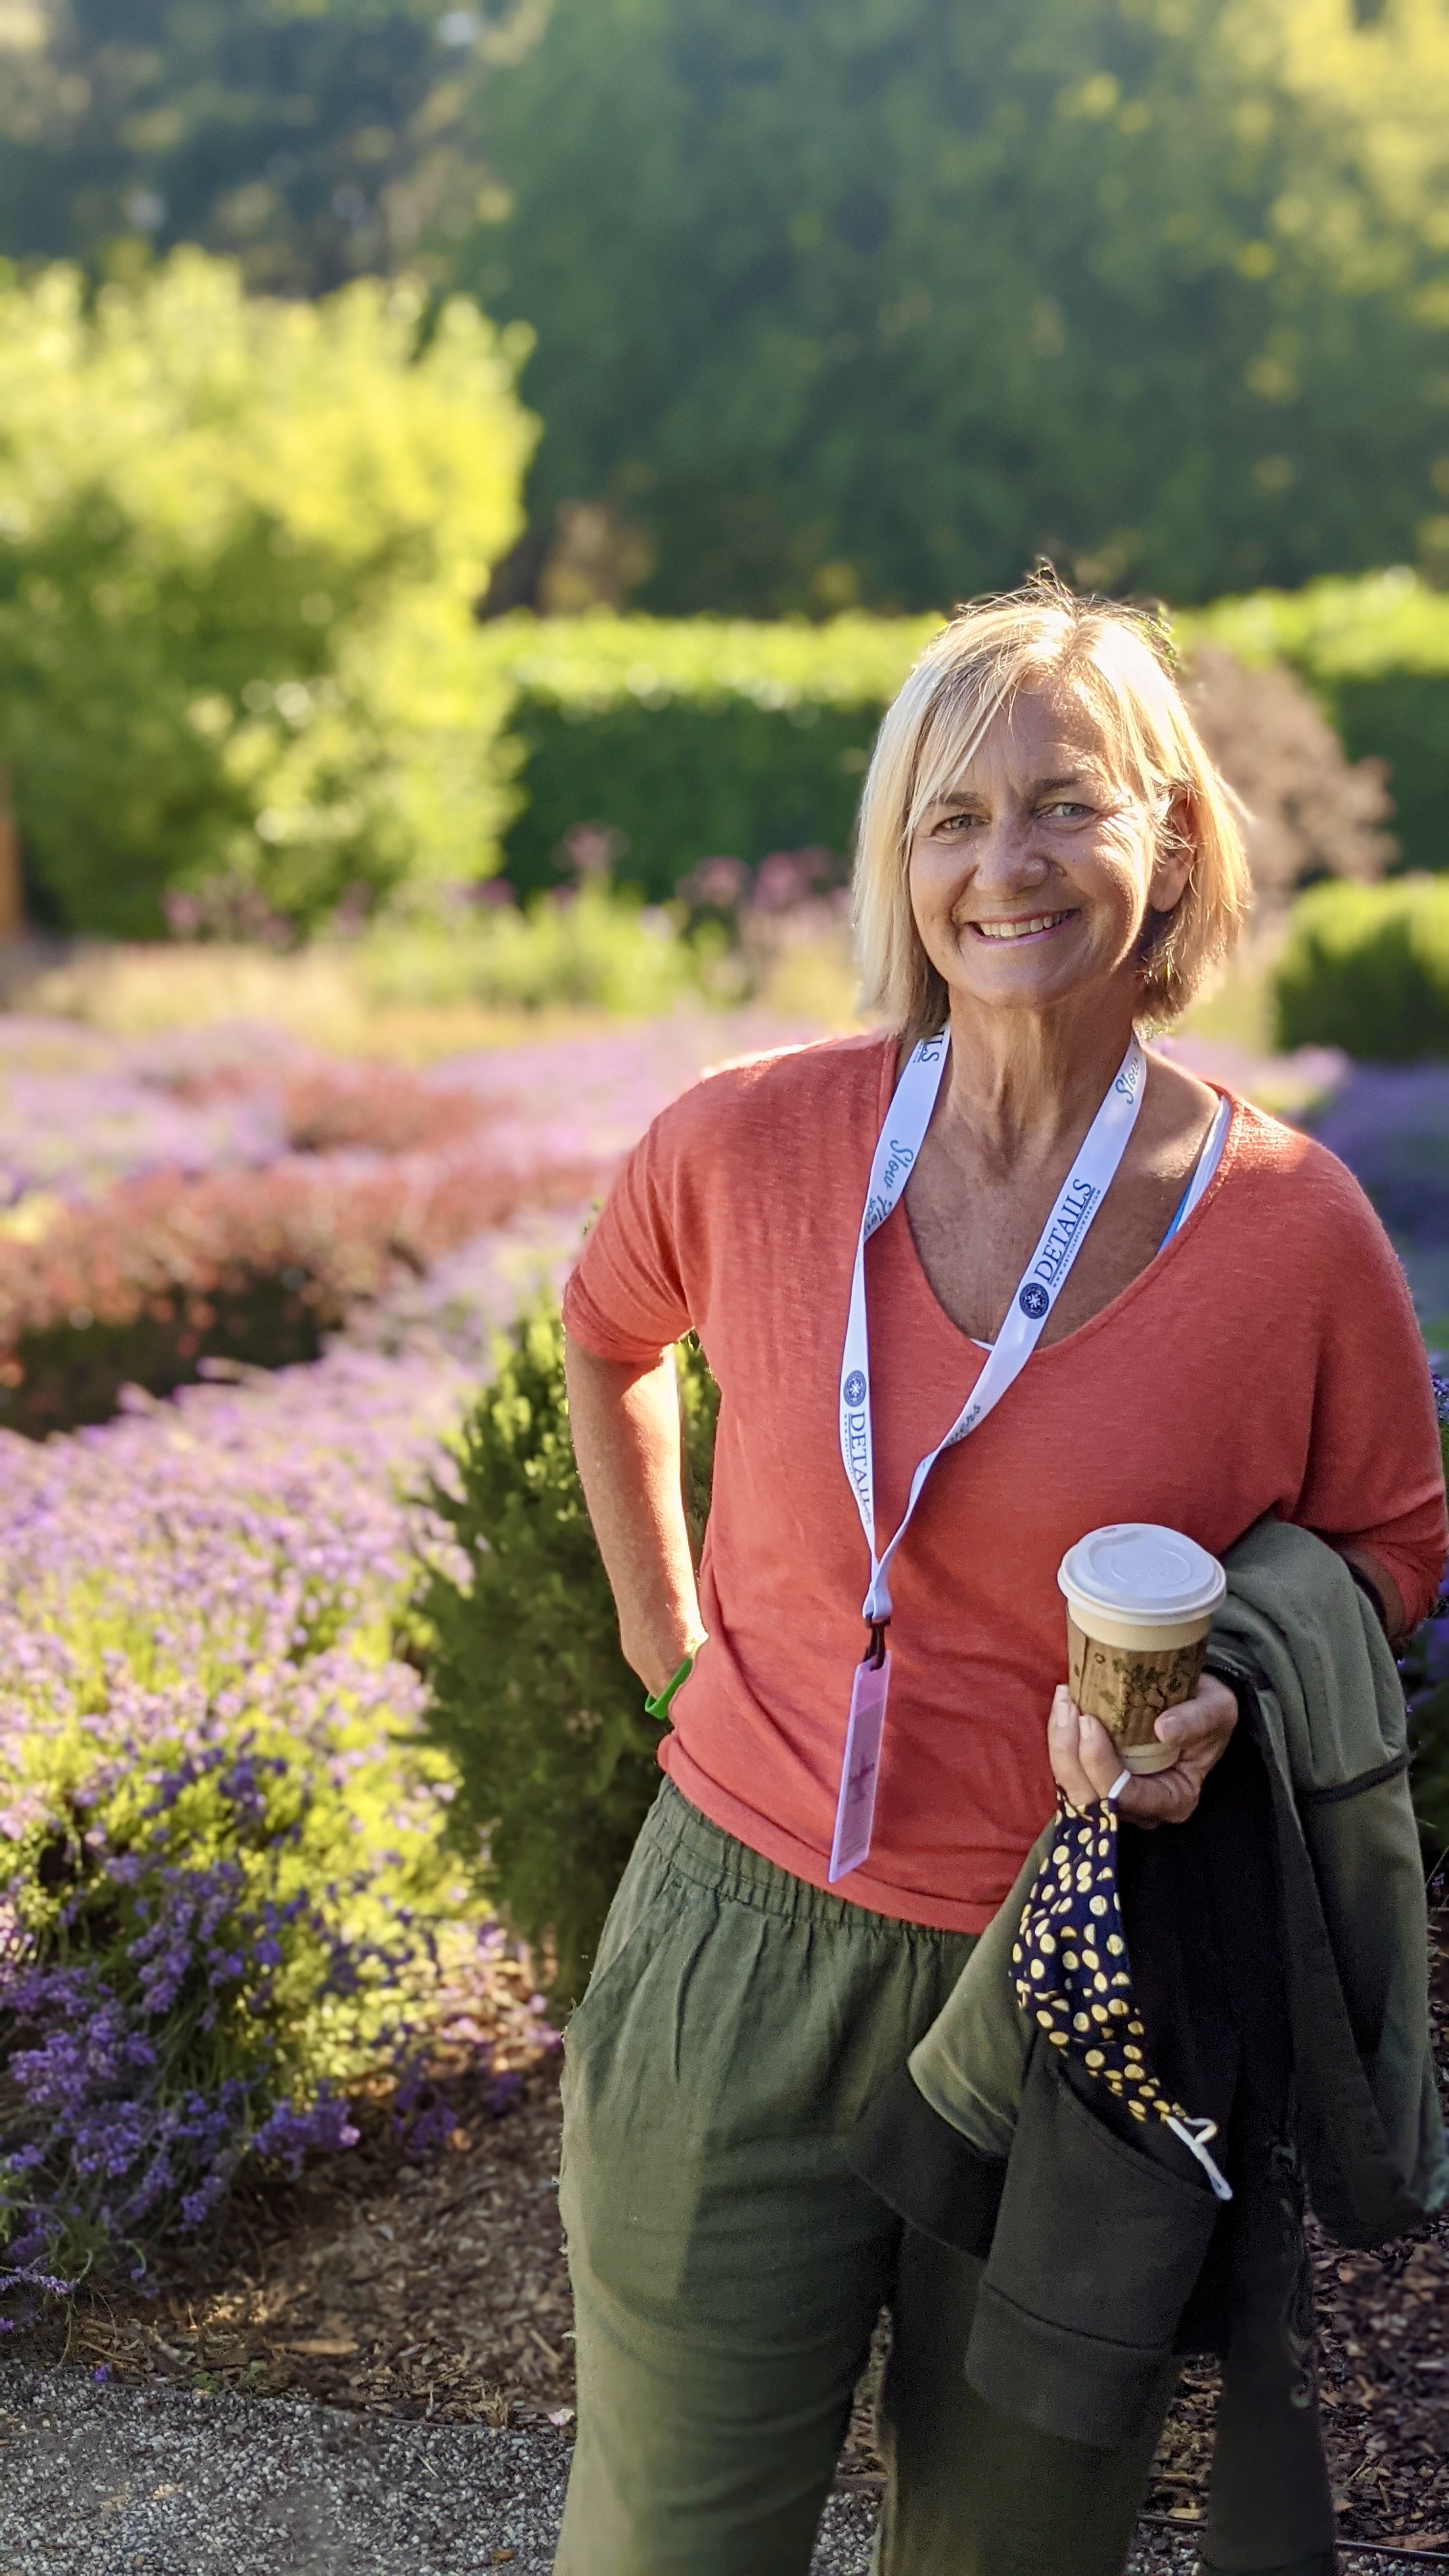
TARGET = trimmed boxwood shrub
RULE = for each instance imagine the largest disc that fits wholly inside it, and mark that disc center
(532, 1697)
(1366, 968)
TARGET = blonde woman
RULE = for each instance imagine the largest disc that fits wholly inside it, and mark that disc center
(971, 1286)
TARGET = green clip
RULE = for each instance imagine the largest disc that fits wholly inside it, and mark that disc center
(659, 1706)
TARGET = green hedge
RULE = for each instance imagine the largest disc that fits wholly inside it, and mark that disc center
(1366, 968)
(698, 737)
(1375, 653)
(692, 739)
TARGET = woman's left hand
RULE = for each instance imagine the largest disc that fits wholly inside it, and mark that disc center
(1085, 1761)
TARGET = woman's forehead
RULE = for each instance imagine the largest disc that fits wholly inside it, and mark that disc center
(1038, 733)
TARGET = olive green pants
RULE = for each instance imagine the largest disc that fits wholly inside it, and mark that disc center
(728, 2268)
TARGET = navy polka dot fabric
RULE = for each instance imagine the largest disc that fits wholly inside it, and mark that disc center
(1073, 1977)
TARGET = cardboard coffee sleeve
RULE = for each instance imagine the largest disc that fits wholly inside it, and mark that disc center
(1140, 1600)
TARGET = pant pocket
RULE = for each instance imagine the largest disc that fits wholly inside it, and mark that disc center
(1095, 2251)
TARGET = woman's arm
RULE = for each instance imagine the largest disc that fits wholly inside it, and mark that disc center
(625, 1423)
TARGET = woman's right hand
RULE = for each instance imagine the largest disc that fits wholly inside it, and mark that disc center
(625, 1424)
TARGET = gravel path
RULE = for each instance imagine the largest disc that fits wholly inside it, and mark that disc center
(111, 2481)
(153, 2481)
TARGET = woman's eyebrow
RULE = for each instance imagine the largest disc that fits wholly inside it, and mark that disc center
(967, 795)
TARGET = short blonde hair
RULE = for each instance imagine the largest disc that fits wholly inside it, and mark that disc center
(1118, 660)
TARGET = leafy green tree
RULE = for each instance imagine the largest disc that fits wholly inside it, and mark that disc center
(873, 299)
(310, 139)
(531, 1697)
(240, 544)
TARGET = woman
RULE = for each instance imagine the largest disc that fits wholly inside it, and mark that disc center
(1199, 1321)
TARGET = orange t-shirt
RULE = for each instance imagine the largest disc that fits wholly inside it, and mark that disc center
(1267, 1361)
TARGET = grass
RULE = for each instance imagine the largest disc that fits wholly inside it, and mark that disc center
(316, 993)
(330, 996)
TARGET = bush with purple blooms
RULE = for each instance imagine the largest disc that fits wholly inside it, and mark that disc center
(223, 1894)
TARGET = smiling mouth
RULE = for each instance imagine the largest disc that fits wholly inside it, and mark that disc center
(1030, 928)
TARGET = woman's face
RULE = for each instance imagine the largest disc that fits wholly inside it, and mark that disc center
(1033, 879)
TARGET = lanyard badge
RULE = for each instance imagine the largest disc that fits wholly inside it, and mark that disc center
(1063, 1235)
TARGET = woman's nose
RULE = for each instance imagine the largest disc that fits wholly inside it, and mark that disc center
(1007, 853)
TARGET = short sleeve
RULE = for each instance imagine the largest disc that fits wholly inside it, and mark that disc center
(1375, 1473)
(627, 1298)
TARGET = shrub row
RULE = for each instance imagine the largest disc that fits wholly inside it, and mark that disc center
(691, 739)
(165, 1277)
(700, 738)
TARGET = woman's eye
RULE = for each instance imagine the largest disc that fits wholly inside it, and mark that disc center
(953, 823)
(1070, 812)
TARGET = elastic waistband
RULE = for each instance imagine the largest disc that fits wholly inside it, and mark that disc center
(710, 1858)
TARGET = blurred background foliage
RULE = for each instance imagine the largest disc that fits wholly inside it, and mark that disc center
(869, 300)
(312, 142)
(837, 302)
(325, 600)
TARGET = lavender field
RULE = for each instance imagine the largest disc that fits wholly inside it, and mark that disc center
(228, 1896)
(246, 1289)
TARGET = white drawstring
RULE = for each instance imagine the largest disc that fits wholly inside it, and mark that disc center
(1195, 2135)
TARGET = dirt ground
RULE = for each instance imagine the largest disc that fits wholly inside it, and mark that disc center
(440, 2290)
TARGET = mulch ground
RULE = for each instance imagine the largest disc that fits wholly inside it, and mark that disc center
(440, 2290)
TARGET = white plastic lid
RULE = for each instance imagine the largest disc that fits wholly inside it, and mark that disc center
(1138, 1570)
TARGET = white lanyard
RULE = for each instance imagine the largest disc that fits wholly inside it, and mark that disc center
(1040, 1285)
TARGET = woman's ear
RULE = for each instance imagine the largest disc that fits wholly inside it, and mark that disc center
(1176, 850)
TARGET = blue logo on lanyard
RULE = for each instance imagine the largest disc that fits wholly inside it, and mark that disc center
(854, 1389)
(1034, 1300)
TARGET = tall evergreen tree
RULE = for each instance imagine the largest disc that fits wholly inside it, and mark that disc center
(313, 139)
(873, 299)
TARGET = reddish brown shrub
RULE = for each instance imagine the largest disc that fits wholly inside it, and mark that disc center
(166, 1271)
(1311, 811)
(380, 1108)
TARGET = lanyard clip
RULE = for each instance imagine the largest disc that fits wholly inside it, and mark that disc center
(877, 1654)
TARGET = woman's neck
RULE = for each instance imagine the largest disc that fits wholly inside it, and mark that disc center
(1024, 1084)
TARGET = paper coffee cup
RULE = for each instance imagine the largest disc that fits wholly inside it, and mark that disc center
(1140, 1601)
